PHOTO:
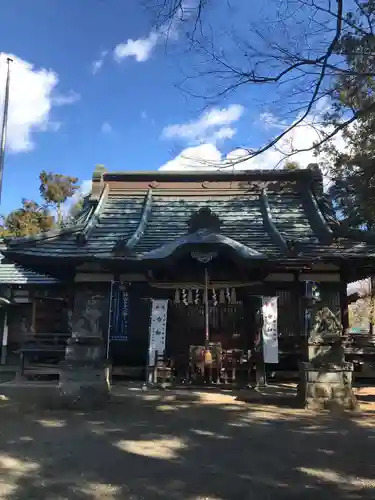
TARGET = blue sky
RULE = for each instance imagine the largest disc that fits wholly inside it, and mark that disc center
(82, 94)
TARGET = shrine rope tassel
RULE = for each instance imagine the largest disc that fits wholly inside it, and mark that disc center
(214, 297)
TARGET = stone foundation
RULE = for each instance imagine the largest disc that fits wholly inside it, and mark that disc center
(327, 387)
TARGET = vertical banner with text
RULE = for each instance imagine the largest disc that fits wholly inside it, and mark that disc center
(158, 329)
(269, 330)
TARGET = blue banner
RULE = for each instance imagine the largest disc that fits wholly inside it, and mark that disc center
(119, 314)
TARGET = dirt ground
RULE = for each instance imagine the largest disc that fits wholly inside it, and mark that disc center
(195, 446)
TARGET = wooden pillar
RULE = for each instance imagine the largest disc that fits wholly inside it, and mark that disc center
(4, 341)
(304, 323)
(260, 367)
(372, 304)
(344, 304)
(33, 315)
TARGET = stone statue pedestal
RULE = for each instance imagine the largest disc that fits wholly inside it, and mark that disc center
(84, 377)
(326, 380)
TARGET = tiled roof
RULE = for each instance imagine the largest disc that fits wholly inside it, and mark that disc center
(146, 216)
(12, 274)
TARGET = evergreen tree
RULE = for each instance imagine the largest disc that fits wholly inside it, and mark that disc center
(30, 219)
(34, 218)
(56, 189)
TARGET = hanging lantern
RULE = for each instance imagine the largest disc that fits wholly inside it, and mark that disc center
(227, 295)
(196, 298)
(316, 292)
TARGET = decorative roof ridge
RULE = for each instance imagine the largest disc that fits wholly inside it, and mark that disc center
(327, 210)
(85, 212)
(202, 236)
(269, 222)
(138, 233)
(315, 216)
(83, 235)
(338, 228)
(303, 174)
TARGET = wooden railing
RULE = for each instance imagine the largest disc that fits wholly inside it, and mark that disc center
(42, 347)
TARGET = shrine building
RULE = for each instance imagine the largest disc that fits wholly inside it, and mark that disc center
(163, 261)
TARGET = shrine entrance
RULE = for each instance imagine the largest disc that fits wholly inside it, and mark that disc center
(234, 330)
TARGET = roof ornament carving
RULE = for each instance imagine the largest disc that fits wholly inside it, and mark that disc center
(203, 257)
(204, 218)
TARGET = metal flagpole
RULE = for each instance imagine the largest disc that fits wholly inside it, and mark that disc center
(4, 125)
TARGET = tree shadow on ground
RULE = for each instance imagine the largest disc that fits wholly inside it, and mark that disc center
(186, 446)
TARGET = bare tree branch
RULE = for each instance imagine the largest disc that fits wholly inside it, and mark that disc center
(308, 62)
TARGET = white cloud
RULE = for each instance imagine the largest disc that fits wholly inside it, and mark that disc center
(202, 157)
(106, 128)
(207, 155)
(62, 100)
(210, 127)
(98, 63)
(31, 100)
(140, 49)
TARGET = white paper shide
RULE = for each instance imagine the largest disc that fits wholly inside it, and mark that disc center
(158, 328)
(269, 330)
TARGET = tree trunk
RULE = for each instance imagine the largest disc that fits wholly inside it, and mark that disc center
(372, 306)
(59, 214)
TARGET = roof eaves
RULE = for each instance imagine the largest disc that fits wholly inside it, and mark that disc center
(29, 240)
(14, 274)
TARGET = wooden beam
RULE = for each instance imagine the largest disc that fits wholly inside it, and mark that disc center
(321, 277)
(33, 314)
(93, 277)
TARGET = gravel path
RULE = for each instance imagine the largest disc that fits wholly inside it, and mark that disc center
(196, 447)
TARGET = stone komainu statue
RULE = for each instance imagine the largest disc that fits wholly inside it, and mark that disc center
(85, 320)
(326, 324)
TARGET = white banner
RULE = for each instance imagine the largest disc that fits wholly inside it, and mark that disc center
(269, 330)
(158, 329)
